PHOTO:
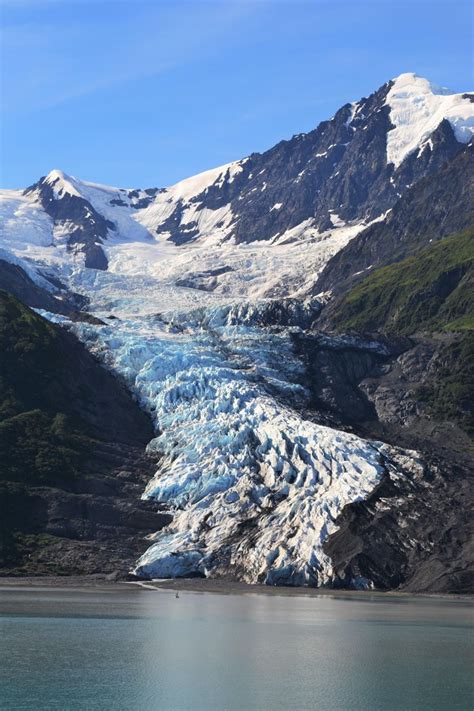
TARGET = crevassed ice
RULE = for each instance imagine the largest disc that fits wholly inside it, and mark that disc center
(254, 488)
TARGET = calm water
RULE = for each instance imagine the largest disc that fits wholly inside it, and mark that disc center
(141, 649)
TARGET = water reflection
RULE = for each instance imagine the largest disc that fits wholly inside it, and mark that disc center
(141, 649)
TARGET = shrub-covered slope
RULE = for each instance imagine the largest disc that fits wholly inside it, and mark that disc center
(54, 397)
(433, 290)
(72, 455)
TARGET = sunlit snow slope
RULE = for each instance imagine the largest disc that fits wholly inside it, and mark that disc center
(417, 107)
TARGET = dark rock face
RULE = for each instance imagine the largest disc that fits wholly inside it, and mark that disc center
(335, 367)
(87, 229)
(435, 207)
(138, 201)
(426, 393)
(72, 443)
(97, 524)
(414, 532)
(16, 281)
(205, 281)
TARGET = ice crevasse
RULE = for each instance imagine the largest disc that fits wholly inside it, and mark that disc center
(254, 488)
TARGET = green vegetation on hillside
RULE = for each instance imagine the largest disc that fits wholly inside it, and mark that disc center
(431, 291)
(41, 439)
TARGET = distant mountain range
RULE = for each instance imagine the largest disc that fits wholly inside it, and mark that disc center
(297, 326)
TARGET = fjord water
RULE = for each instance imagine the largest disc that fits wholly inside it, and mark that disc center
(120, 648)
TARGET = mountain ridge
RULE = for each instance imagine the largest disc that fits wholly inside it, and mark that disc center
(343, 172)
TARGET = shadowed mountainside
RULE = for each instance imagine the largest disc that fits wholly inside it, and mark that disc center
(72, 445)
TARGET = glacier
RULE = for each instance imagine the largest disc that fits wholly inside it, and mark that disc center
(253, 482)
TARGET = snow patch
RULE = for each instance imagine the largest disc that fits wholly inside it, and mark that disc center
(336, 221)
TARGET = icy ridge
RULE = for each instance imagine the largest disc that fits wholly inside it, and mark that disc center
(417, 107)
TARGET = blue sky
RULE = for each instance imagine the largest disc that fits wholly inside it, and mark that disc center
(146, 92)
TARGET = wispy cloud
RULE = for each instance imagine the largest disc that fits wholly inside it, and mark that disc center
(67, 54)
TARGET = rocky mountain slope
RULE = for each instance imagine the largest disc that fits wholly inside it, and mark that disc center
(297, 326)
(432, 290)
(298, 203)
(71, 446)
(437, 206)
(421, 397)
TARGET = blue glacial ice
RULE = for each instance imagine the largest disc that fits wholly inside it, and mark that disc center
(254, 487)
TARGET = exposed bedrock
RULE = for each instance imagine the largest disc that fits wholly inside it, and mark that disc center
(72, 452)
(414, 531)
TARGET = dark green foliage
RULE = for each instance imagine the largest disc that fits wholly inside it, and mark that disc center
(38, 443)
(67, 426)
(431, 291)
(33, 448)
(56, 401)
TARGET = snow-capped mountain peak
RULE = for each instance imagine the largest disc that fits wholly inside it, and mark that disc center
(417, 107)
(191, 187)
(62, 183)
(300, 201)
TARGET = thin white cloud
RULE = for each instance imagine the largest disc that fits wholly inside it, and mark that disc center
(64, 59)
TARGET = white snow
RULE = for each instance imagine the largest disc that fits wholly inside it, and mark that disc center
(417, 107)
(61, 183)
(336, 220)
(139, 257)
(24, 222)
(353, 111)
(190, 187)
(185, 193)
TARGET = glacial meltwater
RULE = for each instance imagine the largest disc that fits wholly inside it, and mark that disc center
(122, 647)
